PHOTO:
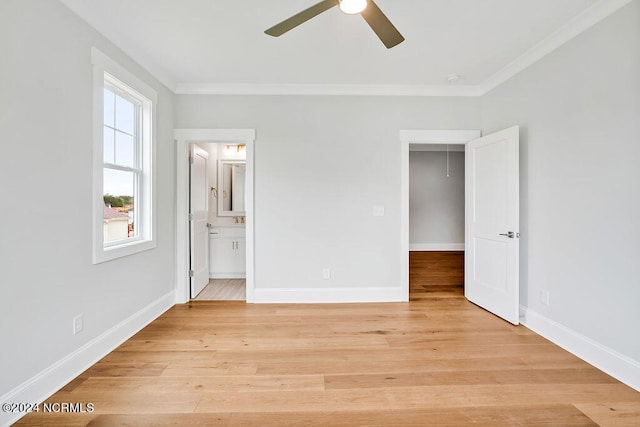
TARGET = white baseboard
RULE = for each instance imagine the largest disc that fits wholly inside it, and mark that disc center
(617, 365)
(436, 247)
(53, 378)
(227, 276)
(326, 295)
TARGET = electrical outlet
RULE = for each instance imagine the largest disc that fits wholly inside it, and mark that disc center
(326, 273)
(544, 297)
(78, 324)
(378, 211)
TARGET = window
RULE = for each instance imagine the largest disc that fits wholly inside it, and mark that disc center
(123, 160)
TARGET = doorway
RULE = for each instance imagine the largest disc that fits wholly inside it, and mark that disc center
(184, 138)
(491, 215)
(436, 220)
(443, 255)
(217, 186)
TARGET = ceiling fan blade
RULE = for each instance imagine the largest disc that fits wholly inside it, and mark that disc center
(381, 25)
(300, 18)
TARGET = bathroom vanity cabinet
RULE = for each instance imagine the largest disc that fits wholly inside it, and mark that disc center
(227, 252)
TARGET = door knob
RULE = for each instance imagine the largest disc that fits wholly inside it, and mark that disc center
(509, 234)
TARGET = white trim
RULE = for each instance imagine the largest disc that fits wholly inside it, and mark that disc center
(184, 137)
(436, 247)
(408, 137)
(100, 60)
(227, 276)
(126, 81)
(617, 365)
(48, 381)
(324, 89)
(404, 216)
(327, 295)
(436, 147)
(585, 20)
(419, 136)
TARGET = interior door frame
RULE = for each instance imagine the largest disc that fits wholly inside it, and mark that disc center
(407, 137)
(183, 138)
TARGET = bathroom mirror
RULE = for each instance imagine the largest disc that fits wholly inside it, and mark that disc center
(231, 178)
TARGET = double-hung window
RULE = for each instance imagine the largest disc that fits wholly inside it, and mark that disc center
(123, 160)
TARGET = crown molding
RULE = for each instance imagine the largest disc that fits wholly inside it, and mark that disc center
(324, 89)
(585, 20)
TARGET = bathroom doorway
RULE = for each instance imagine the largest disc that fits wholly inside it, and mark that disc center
(232, 229)
(218, 184)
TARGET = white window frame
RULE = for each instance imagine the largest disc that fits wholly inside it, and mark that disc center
(106, 70)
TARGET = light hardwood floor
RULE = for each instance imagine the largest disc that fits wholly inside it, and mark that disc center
(437, 360)
(224, 290)
(433, 272)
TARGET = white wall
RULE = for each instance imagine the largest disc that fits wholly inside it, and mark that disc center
(321, 164)
(46, 178)
(579, 111)
(436, 201)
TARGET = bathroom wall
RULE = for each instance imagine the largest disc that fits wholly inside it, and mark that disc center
(219, 151)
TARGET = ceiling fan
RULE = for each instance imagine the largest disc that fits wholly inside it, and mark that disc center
(371, 13)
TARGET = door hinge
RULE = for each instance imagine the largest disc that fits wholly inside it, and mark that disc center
(190, 160)
(191, 273)
(190, 217)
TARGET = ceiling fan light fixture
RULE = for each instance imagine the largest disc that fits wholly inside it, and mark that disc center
(368, 9)
(353, 7)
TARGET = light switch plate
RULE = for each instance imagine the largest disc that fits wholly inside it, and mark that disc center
(78, 324)
(378, 211)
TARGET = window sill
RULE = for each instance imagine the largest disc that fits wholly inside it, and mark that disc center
(125, 249)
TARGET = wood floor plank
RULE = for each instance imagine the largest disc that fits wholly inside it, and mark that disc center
(308, 365)
(56, 420)
(419, 397)
(211, 342)
(437, 360)
(436, 275)
(114, 401)
(203, 384)
(612, 413)
(126, 368)
(483, 417)
(468, 377)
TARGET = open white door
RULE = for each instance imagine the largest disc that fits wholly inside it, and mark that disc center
(198, 216)
(492, 223)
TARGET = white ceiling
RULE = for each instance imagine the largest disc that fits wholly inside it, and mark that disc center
(216, 46)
